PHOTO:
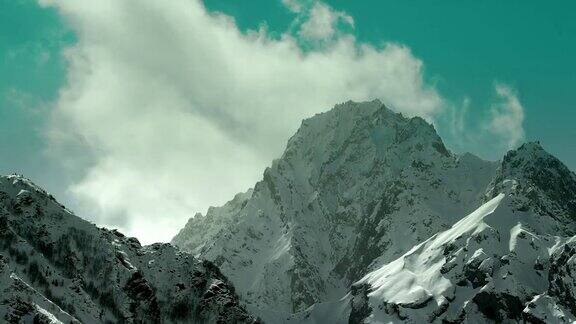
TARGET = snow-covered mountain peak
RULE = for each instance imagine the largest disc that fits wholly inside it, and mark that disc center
(531, 158)
(532, 163)
(360, 126)
(544, 184)
(356, 185)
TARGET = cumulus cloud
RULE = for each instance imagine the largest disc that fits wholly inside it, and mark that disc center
(170, 108)
(317, 22)
(507, 117)
(322, 22)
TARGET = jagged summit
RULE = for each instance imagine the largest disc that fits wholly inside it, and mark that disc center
(535, 163)
(362, 138)
(353, 122)
(542, 184)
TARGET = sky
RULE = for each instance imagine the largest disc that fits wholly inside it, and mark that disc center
(138, 114)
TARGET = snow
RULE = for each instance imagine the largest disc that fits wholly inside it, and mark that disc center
(416, 276)
(435, 270)
(51, 318)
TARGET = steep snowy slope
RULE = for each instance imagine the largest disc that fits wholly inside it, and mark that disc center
(355, 184)
(483, 268)
(56, 267)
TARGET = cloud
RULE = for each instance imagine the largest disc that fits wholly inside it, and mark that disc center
(322, 22)
(318, 22)
(295, 6)
(507, 117)
(169, 108)
(488, 129)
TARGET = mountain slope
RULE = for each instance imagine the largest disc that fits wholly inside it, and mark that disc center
(491, 265)
(56, 267)
(355, 184)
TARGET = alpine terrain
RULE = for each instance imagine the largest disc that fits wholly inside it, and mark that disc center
(58, 268)
(368, 218)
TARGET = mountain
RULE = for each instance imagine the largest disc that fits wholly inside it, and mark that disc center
(364, 219)
(512, 259)
(58, 268)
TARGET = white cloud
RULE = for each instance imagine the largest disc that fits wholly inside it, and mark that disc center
(322, 22)
(507, 117)
(295, 6)
(171, 109)
(488, 129)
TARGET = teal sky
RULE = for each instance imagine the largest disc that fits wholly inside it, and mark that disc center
(32, 70)
(466, 46)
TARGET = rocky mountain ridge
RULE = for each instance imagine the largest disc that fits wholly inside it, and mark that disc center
(58, 268)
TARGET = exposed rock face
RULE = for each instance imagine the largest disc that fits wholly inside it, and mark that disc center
(55, 267)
